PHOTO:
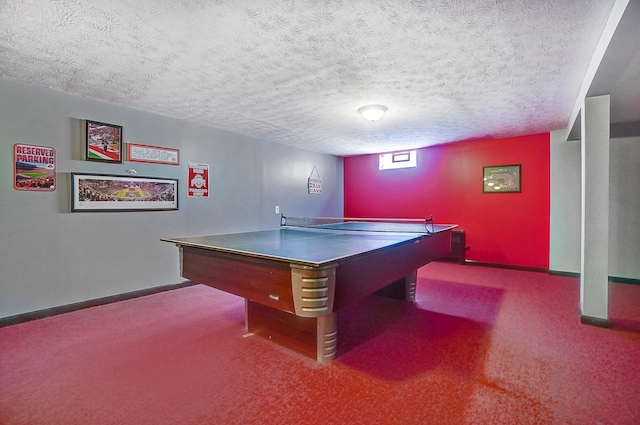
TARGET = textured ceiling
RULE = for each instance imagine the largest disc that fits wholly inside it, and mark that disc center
(296, 72)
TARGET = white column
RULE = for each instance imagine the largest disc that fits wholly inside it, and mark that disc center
(594, 270)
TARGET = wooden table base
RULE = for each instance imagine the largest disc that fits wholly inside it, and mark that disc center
(314, 337)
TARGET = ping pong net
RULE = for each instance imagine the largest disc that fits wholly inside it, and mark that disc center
(396, 225)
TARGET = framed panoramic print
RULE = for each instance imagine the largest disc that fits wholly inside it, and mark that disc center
(501, 179)
(105, 192)
(103, 142)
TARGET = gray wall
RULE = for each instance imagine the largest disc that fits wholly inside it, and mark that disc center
(50, 256)
(624, 206)
(564, 241)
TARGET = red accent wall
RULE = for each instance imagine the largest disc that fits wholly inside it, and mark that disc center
(504, 228)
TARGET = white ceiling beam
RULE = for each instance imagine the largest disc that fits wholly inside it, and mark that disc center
(605, 40)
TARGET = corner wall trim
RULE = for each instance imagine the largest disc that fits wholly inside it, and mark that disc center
(624, 280)
(595, 321)
(613, 279)
(54, 311)
(565, 274)
(507, 266)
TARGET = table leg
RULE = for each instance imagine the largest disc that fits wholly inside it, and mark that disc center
(314, 337)
(402, 289)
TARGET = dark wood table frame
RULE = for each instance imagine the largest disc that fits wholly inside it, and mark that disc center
(294, 304)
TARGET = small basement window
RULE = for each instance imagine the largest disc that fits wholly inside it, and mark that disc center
(404, 159)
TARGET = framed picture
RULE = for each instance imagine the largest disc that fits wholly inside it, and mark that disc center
(105, 192)
(103, 142)
(152, 154)
(501, 179)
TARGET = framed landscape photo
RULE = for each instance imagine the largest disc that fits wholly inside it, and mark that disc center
(103, 142)
(501, 179)
(105, 192)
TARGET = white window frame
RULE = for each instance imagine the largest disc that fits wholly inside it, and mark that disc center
(400, 159)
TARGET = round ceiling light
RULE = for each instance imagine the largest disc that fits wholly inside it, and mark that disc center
(373, 112)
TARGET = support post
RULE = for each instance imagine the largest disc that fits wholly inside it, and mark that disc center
(594, 259)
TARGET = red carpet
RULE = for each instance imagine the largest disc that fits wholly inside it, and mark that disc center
(481, 346)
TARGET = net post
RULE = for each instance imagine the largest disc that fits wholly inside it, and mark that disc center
(426, 224)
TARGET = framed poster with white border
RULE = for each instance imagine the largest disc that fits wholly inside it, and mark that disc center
(152, 154)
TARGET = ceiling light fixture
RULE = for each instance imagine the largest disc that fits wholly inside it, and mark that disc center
(373, 112)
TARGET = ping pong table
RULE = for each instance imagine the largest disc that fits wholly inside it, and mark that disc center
(295, 279)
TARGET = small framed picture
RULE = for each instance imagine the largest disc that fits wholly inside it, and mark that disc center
(501, 179)
(152, 154)
(103, 142)
(105, 192)
(35, 168)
